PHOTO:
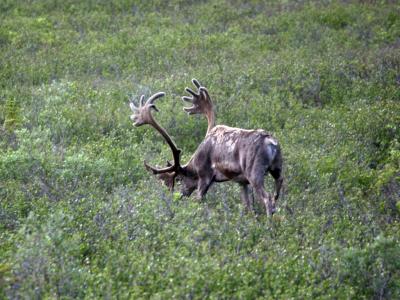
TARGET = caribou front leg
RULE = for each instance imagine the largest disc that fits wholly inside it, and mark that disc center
(203, 185)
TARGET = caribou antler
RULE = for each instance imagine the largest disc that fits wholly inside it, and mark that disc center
(216, 158)
(141, 116)
(202, 103)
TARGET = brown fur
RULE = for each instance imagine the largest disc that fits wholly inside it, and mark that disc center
(225, 154)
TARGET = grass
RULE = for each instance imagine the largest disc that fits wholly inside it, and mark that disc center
(81, 218)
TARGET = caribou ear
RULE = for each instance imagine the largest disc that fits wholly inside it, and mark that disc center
(168, 179)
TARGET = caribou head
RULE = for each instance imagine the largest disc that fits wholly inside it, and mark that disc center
(226, 153)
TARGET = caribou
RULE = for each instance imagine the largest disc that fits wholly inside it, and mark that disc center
(226, 153)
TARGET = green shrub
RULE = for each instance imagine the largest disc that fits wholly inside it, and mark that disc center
(80, 217)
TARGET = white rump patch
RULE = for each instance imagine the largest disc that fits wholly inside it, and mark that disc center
(272, 141)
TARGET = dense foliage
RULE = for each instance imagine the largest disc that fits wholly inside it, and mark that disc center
(81, 218)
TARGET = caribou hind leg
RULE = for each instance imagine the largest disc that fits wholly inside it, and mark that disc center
(257, 182)
(248, 204)
(277, 175)
(266, 199)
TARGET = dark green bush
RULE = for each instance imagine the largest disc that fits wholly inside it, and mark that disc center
(80, 217)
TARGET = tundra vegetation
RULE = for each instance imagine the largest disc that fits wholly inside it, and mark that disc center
(80, 217)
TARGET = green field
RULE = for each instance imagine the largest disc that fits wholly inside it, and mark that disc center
(80, 217)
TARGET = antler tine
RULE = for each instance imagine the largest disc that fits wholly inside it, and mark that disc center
(142, 115)
(196, 83)
(132, 106)
(155, 97)
(141, 102)
(202, 103)
(187, 99)
(156, 171)
(191, 92)
(203, 89)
